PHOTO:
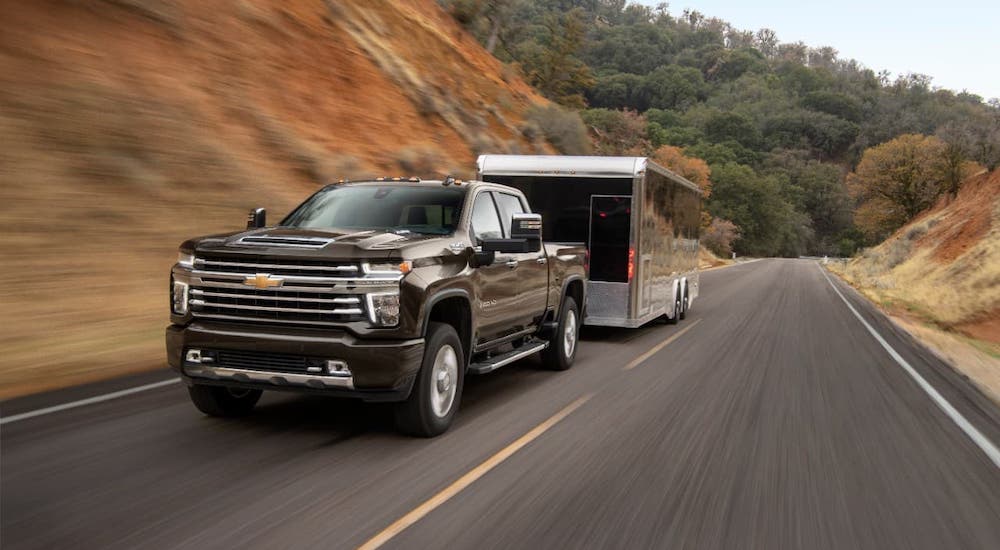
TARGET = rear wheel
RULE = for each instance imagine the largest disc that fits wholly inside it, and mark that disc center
(220, 401)
(433, 401)
(562, 347)
(684, 305)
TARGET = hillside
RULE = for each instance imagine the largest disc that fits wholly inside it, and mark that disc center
(943, 270)
(129, 125)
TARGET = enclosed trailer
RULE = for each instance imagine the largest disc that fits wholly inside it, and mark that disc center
(638, 220)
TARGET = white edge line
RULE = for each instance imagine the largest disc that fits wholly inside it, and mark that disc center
(88, 401)
(975, 435)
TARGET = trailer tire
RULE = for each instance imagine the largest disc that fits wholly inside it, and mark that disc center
(223, 402)
(684, 305)
(677, 312)
(562, 347)
(437, 390)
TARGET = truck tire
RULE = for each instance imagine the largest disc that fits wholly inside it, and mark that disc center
(433, 401)
(224, 402)
(562, 347)
(684, 305)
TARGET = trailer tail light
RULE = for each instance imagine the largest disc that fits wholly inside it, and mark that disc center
(631, 264)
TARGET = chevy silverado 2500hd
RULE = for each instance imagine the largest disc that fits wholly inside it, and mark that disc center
(381, 290)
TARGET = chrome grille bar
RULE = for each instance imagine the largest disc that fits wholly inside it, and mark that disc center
(200, 292)
(366, 281)
(264, 267)
(202, 303)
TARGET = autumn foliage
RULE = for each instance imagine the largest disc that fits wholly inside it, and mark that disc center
(900, 178)
(692, 168)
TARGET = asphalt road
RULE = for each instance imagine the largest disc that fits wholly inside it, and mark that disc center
(776, 420)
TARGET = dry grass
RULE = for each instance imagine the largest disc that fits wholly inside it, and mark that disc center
(958, 292)
(940, 277)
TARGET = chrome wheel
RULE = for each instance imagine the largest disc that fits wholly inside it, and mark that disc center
(444, 380)
(569, 334)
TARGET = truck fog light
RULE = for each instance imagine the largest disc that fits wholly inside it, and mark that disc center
(383, 309)
(336, 367)
(193, 356)
(179, 297)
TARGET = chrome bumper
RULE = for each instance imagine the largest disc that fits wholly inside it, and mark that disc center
(247, 376)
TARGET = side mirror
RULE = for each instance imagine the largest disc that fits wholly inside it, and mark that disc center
(529, 228)
(257, 218)
(525, 236)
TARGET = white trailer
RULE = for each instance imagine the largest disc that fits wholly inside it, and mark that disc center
(638, 221)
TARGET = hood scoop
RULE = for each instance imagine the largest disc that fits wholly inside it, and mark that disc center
(275, 240)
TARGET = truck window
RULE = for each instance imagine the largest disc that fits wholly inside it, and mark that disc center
(485, 219)
(509, 205)
(429, 210)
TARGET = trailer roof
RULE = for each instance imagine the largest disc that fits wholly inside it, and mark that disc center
(533, 165)
(561, 165)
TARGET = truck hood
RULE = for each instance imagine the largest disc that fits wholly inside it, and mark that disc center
(333, 244)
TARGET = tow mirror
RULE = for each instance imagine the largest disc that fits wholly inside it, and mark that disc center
(527, 227)
(525, 236)
(257, 218)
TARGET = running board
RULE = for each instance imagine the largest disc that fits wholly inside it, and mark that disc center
(494, 363)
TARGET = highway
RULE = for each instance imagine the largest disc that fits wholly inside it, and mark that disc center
(770, 418)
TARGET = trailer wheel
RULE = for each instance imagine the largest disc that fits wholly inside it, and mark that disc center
(678, 313)
(221, 401)
(433, 401)
(562, 347)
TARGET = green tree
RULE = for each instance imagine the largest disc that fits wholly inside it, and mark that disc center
(556, 70)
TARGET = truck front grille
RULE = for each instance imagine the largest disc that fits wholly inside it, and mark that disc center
(268, 290)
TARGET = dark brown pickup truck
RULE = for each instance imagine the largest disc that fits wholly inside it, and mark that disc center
(381, 290)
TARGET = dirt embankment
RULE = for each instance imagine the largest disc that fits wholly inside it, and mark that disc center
(943, 271)
(129, 125)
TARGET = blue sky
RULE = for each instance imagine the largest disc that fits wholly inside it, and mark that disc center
(957, 42)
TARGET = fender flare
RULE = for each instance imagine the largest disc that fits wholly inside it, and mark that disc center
(443, 295)
(565, 289)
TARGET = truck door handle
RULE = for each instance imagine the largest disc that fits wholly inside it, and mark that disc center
(512, 263)
(542, 260)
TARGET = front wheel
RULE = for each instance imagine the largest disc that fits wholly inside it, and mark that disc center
(221, 401)
(562, 348)
(433, 401)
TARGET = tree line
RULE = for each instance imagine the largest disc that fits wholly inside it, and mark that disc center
(807, 153)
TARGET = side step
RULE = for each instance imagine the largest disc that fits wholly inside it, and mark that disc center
(497, 361)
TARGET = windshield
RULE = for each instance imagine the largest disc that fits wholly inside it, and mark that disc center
(402, 209)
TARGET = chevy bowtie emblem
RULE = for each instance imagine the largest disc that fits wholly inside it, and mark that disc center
(263, 281)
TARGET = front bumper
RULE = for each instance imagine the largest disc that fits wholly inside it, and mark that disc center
(379, 370)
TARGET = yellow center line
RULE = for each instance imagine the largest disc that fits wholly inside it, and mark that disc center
(639, 360)
(469, 478)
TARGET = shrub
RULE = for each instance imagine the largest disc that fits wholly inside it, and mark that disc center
(719, 237)
(418, 160)
(563, 128)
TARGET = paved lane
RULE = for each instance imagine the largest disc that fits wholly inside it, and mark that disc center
(776, 421)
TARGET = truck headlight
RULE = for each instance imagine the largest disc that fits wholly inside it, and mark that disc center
(388, 268)
(179, 297)
(383, 308)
